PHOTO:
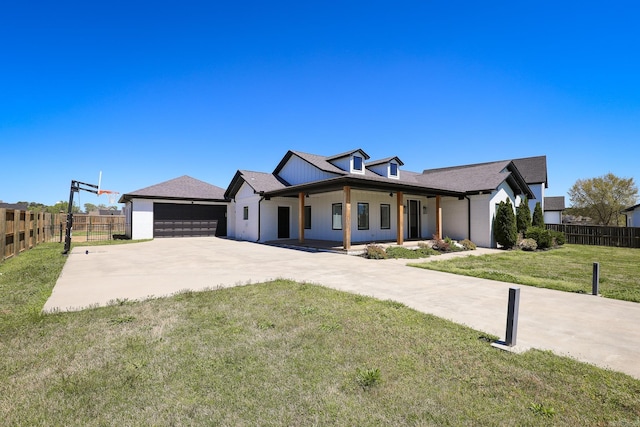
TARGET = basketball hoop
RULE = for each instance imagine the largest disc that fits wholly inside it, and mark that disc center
(112, 195)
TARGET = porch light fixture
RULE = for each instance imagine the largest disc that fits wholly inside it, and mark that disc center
(306, 195)
(390, 194)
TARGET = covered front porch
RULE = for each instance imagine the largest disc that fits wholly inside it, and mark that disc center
(335, 215)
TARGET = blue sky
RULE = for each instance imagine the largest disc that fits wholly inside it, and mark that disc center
(149, 91)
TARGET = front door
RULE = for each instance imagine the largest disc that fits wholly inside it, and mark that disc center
(413, 215)
(283, 222)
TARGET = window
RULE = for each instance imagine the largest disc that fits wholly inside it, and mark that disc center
(363, 216)
(385, 217)
(336, 216)
(307, 217)
(245, 213)
(357, 163)
(393, 169)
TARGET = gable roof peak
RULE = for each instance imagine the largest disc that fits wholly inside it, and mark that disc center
(348, 153)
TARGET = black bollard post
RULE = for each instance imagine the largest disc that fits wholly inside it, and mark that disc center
(595, 284)
(512, 316)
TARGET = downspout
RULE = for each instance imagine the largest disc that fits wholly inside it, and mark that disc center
(468, 217)
(259, 215)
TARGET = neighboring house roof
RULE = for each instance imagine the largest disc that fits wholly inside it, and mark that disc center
(555, 203)
(14, 206)
(632, 208)
(533, 169)
(184, 187)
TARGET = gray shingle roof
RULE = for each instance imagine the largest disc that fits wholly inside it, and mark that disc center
(533, 169)
(261, 181)
(469, 178)
(554, 203)
(184, 187)
(632, 208)
(318, 161)
(348, 153)
(383, 161)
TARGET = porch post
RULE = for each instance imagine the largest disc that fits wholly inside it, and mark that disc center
(400, 218)
(301, 217)
(438, 218)
(346, 219)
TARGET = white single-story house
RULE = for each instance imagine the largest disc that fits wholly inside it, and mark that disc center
(553, 207)
(633, 216)
(180, 207)
(345, 198)
(350, 199)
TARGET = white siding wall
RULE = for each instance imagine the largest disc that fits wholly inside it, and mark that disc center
(538, 191)
(297, 171)
(345, 163)
(455, 217)
(142, 219)
(634, 218)
(269, 218)
(553, 217)
(246, 229)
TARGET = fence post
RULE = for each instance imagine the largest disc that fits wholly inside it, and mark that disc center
(3, 232)
(512, 316)
(595, 283)
(16, 232)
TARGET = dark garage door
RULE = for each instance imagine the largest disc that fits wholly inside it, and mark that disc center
(178, 220)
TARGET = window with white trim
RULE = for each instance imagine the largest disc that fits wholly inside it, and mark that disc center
(363, 216)
(336, 216)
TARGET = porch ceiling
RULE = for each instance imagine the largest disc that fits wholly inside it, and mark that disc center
(337, 184)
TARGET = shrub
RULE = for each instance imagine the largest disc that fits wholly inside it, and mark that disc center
(400, 252)
(440, 245)
(538, 217)
(504, 225)
(558, 238)
(468, 245)
(375, 252)
(528, 245)
(542, 236)
(523, 216)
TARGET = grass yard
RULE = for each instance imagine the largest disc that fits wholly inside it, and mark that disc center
(280, 353)
(568, 268)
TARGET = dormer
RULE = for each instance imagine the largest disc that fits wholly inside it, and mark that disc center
(388, 168)
(351, 161)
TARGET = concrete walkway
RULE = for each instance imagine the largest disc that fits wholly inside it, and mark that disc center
(601, 331)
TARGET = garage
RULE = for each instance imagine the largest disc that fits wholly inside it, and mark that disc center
(189, 220)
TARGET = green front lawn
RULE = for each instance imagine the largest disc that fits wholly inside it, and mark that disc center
(279, 353)
(568, 268)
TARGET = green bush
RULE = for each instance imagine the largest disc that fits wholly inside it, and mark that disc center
(400, 252)
(542, 236)
(558, 237)
(504, 225)
(538, 217)
(468, 245)
(375, 252)
(523, 216)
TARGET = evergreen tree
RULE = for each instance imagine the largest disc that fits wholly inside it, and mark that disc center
(523, 218)
(504, 225)
(538, 217)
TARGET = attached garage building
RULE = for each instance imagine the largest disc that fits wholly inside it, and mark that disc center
(181, 207)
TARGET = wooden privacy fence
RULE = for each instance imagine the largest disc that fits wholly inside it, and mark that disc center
(23, 230)
(599, 235)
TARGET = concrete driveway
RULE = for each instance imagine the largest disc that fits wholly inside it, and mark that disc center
(592, 329)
